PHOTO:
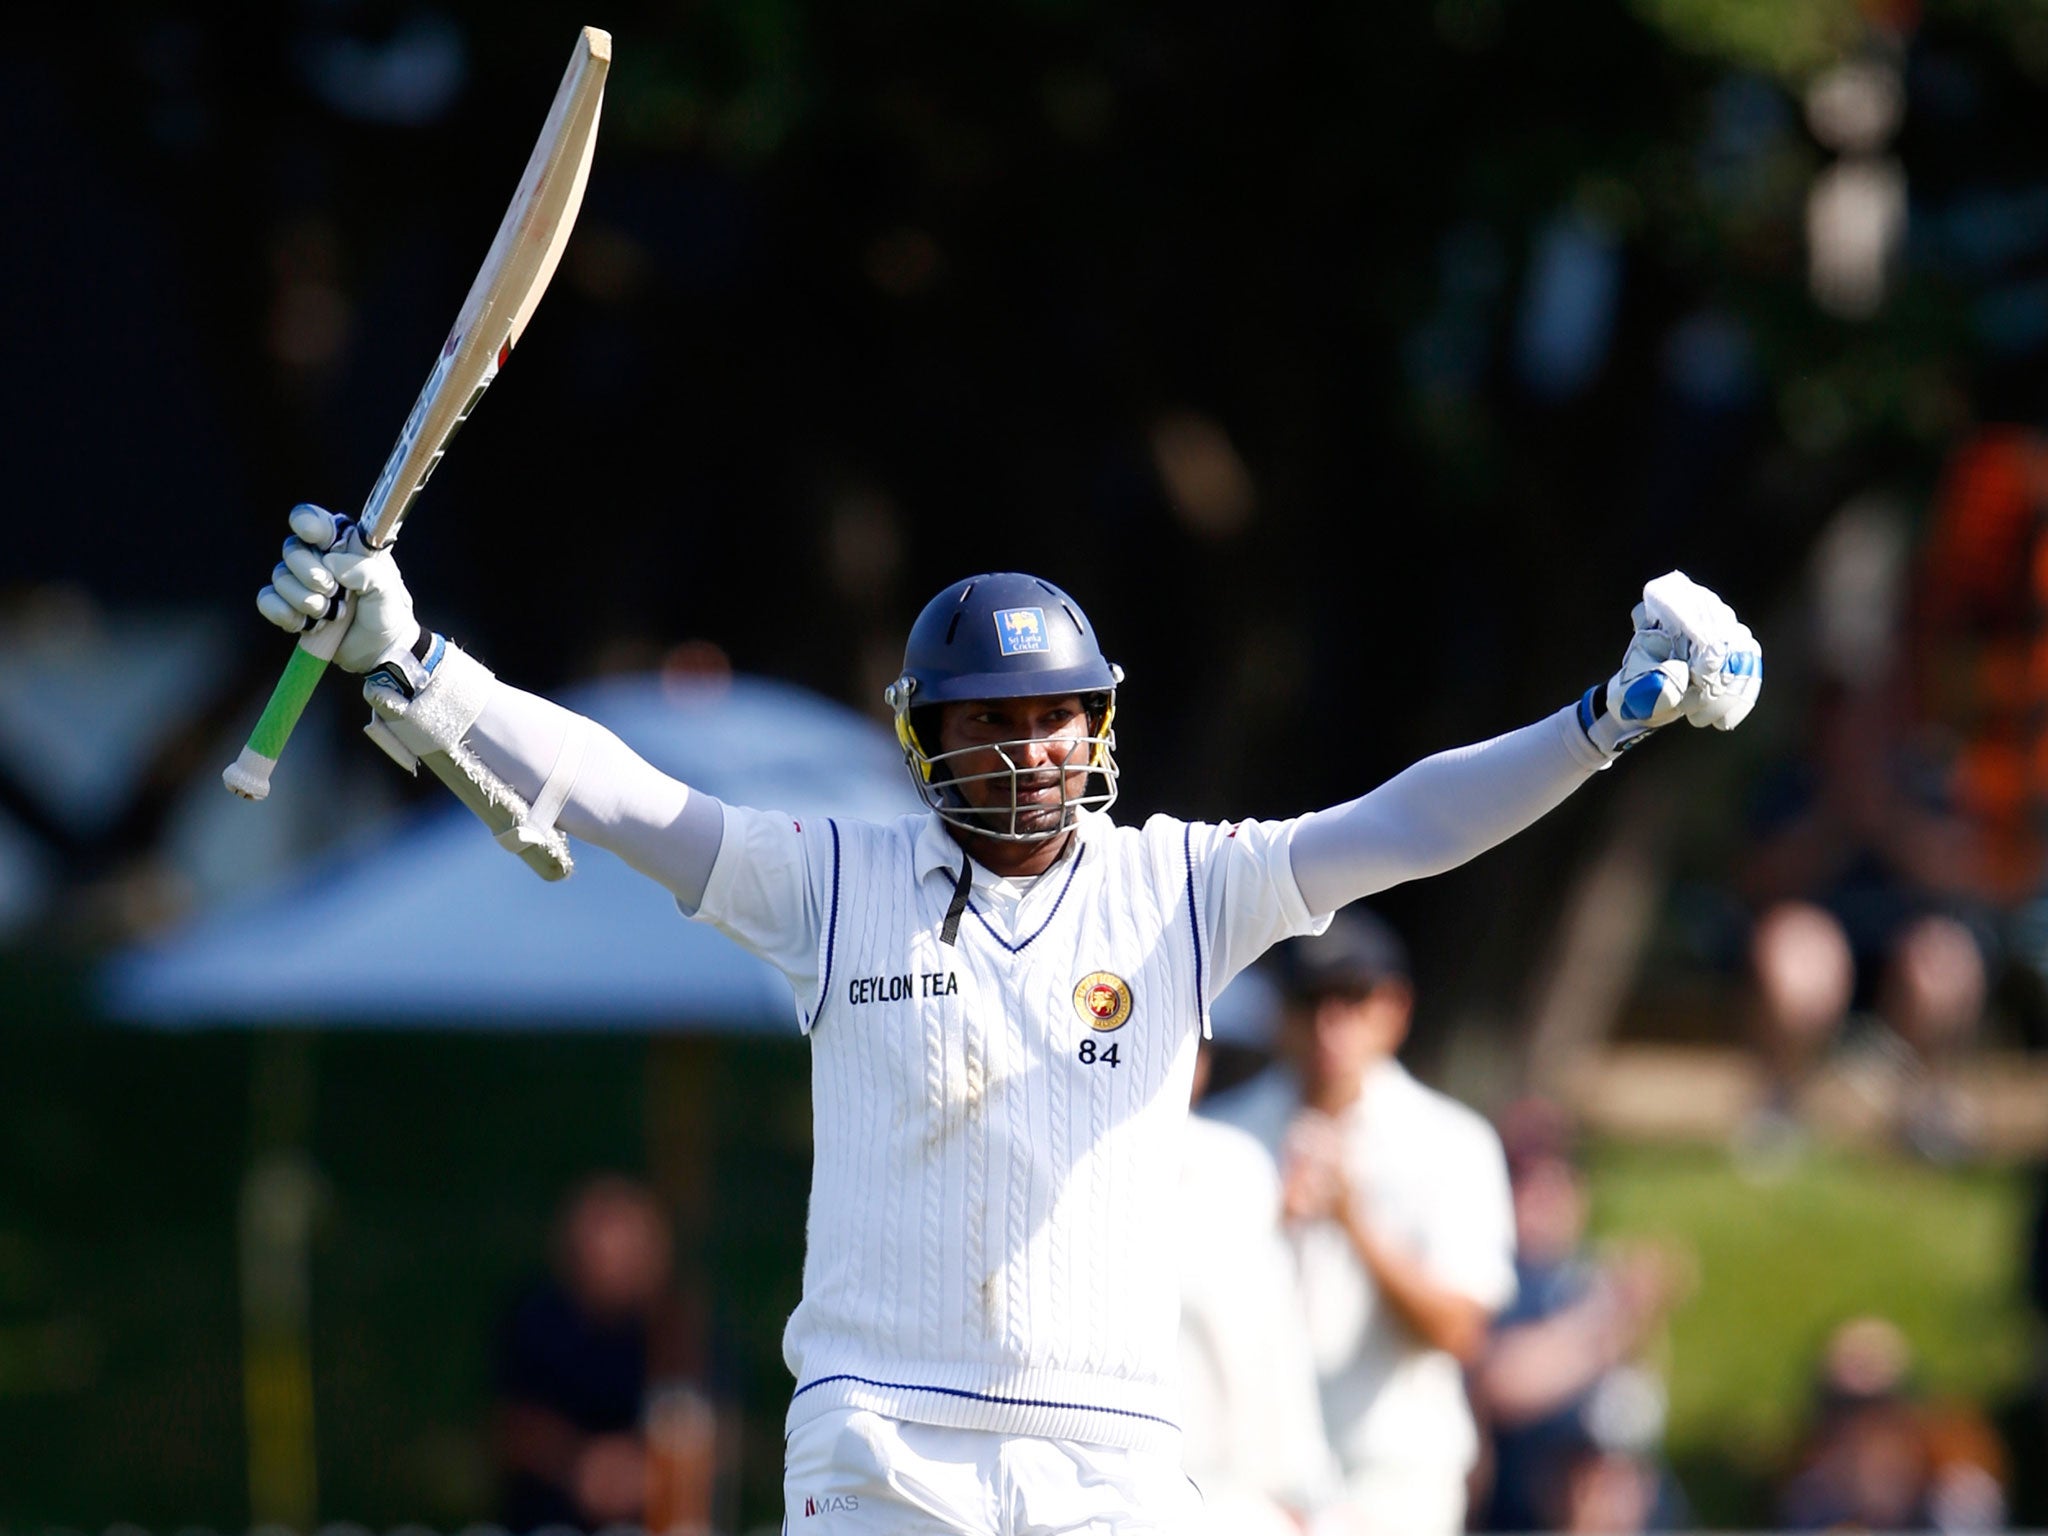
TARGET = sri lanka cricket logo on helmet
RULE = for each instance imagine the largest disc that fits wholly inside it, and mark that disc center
(1003, 635)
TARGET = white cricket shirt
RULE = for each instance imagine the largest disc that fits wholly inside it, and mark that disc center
(998, 1121)
(1432, 1177)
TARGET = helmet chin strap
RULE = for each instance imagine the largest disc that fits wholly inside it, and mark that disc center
(949, 932)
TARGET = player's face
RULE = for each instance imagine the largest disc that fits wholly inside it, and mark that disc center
(1045, 739)
(1334, 1038)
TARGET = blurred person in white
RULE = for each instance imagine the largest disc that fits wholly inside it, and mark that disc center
(1250, 1416)
(1573, 1420)
(1397, 1202)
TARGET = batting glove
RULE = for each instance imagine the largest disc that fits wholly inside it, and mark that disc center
(325, 560)
(1690, 656)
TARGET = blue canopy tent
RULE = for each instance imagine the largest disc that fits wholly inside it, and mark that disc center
(433, 926)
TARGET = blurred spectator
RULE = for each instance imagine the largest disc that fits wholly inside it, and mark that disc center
(1398, 1203)
(1574, 1422)
(1253, 1425)
(1978, 641)
(1875, 1458)
(1929, 995)
(602, 1414)
(1609, 1492)
(1890, 855)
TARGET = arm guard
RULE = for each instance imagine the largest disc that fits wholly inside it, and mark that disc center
(427, 721)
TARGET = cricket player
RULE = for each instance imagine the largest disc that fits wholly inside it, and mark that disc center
(1399, 1219)
(1003, 996)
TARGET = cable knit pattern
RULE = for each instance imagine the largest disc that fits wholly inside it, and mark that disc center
(979, 1088)
(873, 1169)
(1102, 1219)
(1061, 1090)
(1017, 1200)
(985, 1240)
(939, 1105)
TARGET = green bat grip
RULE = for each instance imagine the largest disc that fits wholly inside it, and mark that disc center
(249, 774)
(287, 702)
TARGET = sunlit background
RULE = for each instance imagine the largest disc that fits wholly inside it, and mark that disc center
(1353, 364)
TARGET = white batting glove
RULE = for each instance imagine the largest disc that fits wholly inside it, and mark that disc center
(1725, 661)
(1690, 656)
(325, 558)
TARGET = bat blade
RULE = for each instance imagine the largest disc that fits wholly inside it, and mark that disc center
(522, 259)
(516, 271)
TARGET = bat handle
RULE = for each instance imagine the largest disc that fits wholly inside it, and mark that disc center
(249, 774)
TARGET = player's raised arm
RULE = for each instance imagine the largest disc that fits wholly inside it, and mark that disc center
(529, 768)
(1690, 657)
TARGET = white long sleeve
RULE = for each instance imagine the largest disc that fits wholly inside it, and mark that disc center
(1428, 818)
(620, 801)
(1440, 812)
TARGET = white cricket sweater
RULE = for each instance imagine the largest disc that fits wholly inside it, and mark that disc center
(999, 1120)
(959, 1113)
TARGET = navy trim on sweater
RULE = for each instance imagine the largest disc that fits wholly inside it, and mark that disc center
(1019, 947)
(982, 1397)
(832, 931)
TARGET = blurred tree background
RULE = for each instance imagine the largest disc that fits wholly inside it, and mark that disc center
(1352, 364)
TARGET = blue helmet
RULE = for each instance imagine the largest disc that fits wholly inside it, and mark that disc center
(1003, 635)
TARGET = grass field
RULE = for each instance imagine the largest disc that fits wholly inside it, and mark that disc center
(1940, 1253)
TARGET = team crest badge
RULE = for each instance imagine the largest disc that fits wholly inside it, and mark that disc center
(1019, 630)
(1103, 1000)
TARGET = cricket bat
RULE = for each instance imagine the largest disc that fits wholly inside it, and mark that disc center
(515, 274)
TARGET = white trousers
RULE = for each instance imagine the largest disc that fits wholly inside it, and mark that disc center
(850, 1472)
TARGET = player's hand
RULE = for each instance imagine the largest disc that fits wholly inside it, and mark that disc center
(1724, 662)
(1690, 656)
(1313, 1182)
(325, 557)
